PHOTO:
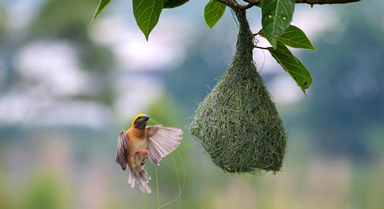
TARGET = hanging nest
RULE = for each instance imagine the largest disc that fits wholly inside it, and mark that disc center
(238, 123)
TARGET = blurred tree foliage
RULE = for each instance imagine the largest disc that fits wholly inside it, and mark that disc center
(5, 199)
(2, 24)
(167, 118)
(193, 80)
(347, 101)
(5, 51)
(47, 191)
(70, 20)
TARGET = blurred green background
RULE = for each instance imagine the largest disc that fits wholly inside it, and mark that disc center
(68, 86)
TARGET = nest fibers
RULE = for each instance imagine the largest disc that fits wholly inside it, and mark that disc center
(238, 123)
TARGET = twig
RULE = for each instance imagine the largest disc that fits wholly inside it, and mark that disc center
(226, 2)
(326, 1)
(251, 3)
(258, 47)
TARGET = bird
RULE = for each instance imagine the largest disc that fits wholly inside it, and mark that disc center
(142, 142)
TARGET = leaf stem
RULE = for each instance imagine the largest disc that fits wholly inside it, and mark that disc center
(250, 4)
(325, 1)
(263, 48)
(226, 2)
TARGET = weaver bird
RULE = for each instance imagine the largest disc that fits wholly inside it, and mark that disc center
(141, 142)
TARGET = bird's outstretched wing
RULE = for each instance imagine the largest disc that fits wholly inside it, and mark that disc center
(162, 141)
(122, 146)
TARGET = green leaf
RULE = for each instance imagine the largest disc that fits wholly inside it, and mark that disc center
(174, 3)
(147, 14)
(102, 5)
(213, 12)
(292, 65)
(276, 18)
(296, 38)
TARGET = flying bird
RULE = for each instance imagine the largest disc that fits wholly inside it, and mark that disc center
(143, 142)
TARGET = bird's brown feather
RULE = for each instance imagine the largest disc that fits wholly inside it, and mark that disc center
(121, 150)
(162, 141)
(137, 140)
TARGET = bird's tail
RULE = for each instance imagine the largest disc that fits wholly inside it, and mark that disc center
(141, 179)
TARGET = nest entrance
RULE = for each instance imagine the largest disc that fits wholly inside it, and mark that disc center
(238, 123)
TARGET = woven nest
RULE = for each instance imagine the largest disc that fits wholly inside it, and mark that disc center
(238, 123)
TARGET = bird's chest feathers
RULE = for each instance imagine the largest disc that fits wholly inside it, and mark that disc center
(138, 139)
(140, 144)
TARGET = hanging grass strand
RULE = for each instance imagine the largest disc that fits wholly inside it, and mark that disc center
(145, 202)
(157, 189)
(178, 184)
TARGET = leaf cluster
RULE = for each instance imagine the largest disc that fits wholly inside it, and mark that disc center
(293, 37)
(276, 27)
(146, 12)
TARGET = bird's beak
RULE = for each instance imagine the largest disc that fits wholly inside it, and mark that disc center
(145, 117)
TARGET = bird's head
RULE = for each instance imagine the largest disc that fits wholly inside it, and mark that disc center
(140, 121)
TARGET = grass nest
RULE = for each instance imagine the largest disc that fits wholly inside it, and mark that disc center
(238, 123)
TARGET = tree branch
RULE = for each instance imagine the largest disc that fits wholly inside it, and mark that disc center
(326, 1)
(263, 48)
(226, 2)
(252, 3)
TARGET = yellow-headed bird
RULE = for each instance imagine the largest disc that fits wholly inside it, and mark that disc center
(141, 142)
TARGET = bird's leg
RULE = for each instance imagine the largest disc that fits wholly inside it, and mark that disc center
(145, 152)
(143, 161)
